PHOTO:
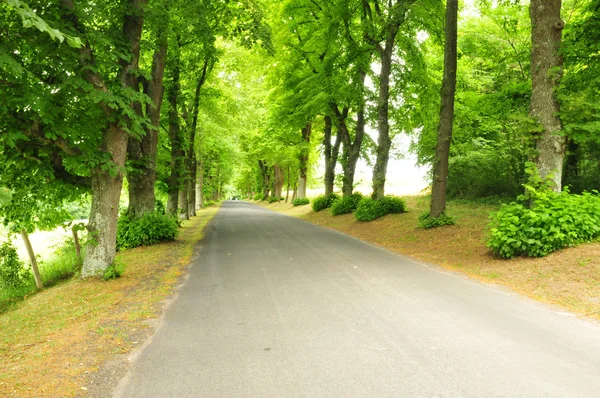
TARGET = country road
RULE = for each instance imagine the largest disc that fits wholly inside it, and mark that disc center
(277, 307)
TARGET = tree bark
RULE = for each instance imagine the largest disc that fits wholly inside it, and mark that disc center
(287, 193)
(304, 153)
(396, 18)
(191, 161)
(546, 72)
(106, 181)
(75, 233)
(34, 266)
(200, 185)
(143, 151)
(175, 179)
(440, 167)
(184, 213)
(331, 155)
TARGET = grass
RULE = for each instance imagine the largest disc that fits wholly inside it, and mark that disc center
(54, 342)
(569, 278)
(59, 266)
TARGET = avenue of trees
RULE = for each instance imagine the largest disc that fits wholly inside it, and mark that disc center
(180, 102)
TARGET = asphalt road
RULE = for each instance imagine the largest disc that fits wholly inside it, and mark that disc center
(277, 307)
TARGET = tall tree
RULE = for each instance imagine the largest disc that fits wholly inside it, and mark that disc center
(440, 166)
(384, 22)
(141, 151)
(546, 72)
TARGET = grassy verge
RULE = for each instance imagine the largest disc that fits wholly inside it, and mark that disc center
(52, 343)
(59, 266)
(569, 278)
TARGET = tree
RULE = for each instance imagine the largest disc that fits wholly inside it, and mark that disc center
(546, 72)
(440, 167)
(382, 28)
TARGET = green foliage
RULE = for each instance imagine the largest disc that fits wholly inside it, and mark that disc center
(12, 270)
(258, 196)
(542, 221)
(300, 201)
(323, 202)
(114, 271)
(159, 207)
(427, 222)
(274, 199)
(369, 209)
(346, 204)
(394, 204)
(147, 230)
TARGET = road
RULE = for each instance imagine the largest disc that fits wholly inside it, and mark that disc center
(277, 307)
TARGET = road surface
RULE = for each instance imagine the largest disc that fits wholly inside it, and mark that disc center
(277, 307)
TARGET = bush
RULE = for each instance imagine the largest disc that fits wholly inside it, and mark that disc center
(274, 199)
(346, 204)
(258, 196)
(427, 222)
(395, 204)
(323, 202)
(369, 209)
(550, 222)
(300, 201)
(12, 270)
(147, 230)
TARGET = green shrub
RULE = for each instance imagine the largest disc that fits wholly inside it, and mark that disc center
(369, 209)
(159, 207)
(258, 196)
(395, 204)
(208, 203)
(346, 204)
(300, 201)
(323, 202)
(12, 270)
(552, 221)
(147, 230)
(274, 199)
(427, 222)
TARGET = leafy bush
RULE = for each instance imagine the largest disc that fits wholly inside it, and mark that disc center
(159, 207)
(274, 199)
(542, 221)
(552, 221)
(369, 209)
(208, 203)
(300, 201)
(258, 196)
(147, 230)
(12, 270)
(346, 204)
(395, 204)
(323, 202)
(427, 222)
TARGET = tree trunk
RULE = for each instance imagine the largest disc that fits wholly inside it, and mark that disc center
(75, 233)
(440, 167)
(331, 155)
(304, 152)
(175, 179)
(107, 181)
(397, 16)
(191, 162)
(34, 266)
(183, 204)
(546, 72)
(200, 185)
(143, 151)
(287, 193)
(383, 141)
(192, 189)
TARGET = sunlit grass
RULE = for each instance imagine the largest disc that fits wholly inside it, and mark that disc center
(51, 340)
